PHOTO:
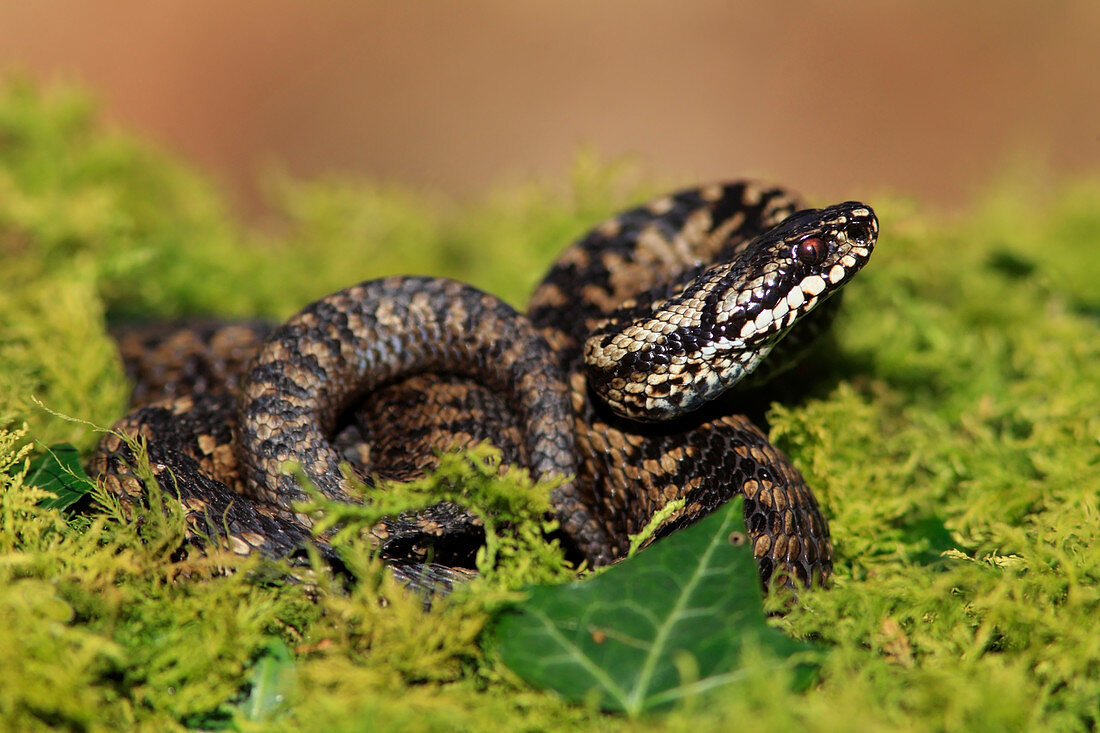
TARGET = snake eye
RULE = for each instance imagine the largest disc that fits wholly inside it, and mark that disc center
(811, 250)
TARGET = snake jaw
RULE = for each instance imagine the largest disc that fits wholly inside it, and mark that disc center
(688, 349)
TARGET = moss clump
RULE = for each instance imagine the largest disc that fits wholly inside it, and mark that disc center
(951, 433)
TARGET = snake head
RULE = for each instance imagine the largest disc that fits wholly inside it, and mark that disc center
(685, 350)
(786, 272)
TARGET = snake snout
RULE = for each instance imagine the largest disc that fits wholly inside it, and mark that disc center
(861, 230)
(851, 229)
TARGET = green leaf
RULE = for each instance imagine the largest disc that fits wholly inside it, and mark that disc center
(272, 678)
(58, 470)
(670, 623)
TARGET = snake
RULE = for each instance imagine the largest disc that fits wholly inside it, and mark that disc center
(620, 381)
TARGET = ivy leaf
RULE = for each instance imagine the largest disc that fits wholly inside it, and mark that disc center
(669, 623)
(58, 471)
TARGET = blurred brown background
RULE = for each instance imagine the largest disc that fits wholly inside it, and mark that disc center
(931, 99)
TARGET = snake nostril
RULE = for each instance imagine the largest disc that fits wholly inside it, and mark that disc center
(859, 232)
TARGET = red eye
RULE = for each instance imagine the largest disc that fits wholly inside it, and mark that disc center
(811, 250)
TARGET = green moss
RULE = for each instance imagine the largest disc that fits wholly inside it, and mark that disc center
(951, 433)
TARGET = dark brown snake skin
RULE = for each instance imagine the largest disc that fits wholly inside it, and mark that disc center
(379, 373)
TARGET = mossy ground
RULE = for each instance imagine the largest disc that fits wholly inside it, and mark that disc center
(951, 432)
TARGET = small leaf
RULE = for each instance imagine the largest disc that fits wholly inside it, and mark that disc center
(58, 471)
(669, 623)
(272, 676)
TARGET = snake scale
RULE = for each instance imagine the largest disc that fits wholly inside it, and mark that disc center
(614, 378)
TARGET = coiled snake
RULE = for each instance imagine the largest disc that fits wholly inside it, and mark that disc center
(611, 378)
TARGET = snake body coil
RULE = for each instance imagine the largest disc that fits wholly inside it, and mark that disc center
(648, 318)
